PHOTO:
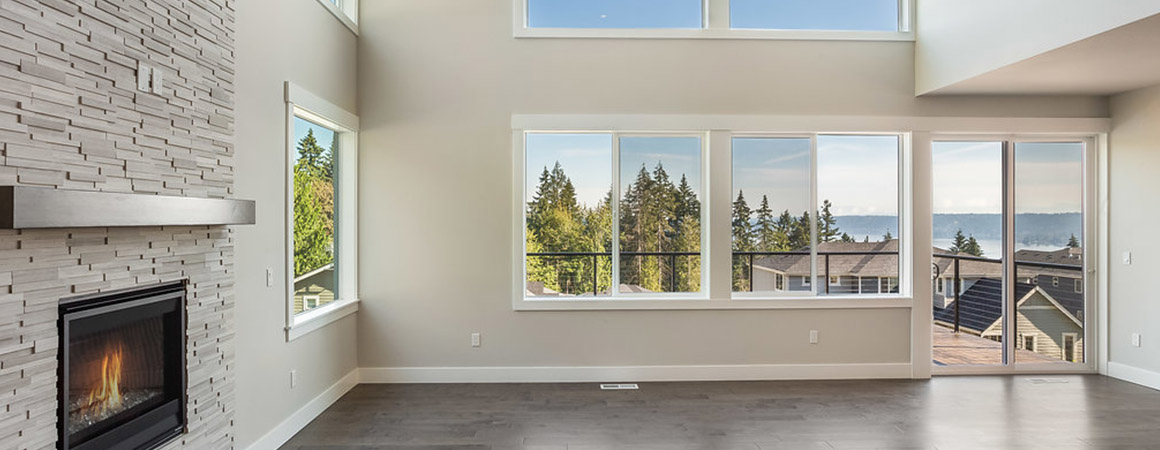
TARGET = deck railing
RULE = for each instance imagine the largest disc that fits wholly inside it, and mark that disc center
(957, 278)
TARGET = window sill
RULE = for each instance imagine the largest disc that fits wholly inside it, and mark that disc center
(315, 319)
(340, 15)
(751, 303)
(707, 33)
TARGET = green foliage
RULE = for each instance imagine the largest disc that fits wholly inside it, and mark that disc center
(1073, 242)
(965, 245)
(827, 224)
(658, 216)
(313, 206)
(557, 223)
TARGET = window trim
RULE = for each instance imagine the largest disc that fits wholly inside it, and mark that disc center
(346, 11)
(304, 104)
(715, 24)
(713, 295)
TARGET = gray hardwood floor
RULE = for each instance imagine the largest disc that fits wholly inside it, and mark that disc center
(948, 413)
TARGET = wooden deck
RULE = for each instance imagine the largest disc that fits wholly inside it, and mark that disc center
(955, 349)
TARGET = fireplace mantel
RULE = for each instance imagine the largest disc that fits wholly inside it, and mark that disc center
(34, 207)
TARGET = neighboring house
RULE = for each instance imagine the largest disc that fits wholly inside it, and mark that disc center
(861, 268)
(314, 288)
(1049, 306)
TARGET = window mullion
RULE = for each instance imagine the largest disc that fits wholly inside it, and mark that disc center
(614, 288)
(813, 214)
(716, 14)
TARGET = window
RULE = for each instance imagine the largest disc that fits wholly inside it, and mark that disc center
(346, 11)
(1070, 350)
(938, 286)
(321, 205)
(846, 15)
(610, 215)
(1078, 286)
(574, 199)
(715, 19)
(614, 14)
(311, 301)
(1054, 281)
(1030, 342)
(854, 222)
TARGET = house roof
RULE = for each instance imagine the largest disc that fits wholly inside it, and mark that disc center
(982, 304)
(866, 265)
(314, 272)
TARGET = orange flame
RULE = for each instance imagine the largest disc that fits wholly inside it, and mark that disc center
(106, 396)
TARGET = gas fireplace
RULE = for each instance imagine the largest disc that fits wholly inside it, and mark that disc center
(122, 369)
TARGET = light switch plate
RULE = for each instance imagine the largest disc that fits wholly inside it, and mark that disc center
(1127, 258)
(144, 77)
(156, 81)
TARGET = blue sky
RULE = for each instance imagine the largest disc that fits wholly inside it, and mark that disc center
(775, 167)
(323, 135)
(879, 15)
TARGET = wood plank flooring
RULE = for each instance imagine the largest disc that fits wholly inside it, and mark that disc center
(946, 413)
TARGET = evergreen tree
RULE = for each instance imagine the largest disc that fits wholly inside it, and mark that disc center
(800, 236)
(768, 236)
(972, 247)
(960, 242)
(847, 238)
(827, 224)
(743, 241)
(887, 236)
(1073, 242)
(785, 226)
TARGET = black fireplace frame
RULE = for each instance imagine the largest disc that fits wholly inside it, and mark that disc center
(160, 423)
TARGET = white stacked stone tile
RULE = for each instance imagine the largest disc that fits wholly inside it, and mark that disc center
(71, 118)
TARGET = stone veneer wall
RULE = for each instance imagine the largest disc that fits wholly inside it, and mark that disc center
(71, 117)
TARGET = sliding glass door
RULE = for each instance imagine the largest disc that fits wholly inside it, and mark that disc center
(1008, 273)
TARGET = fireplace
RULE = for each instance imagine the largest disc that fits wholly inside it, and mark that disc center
(122, 369)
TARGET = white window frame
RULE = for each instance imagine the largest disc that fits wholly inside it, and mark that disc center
(717, 167)
(304, 104)
(306, 299)
(715, 24)
(1078, 285)
(346, 11)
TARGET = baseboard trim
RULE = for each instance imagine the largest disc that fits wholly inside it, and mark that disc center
(1136, 375)
(302, 417)
(388, 375)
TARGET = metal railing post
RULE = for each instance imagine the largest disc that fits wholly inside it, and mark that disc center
(827, 280)
(673, 272)
(595, 283)
(958, 283)
(750, 272)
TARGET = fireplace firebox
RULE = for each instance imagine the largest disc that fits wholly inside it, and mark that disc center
(121, 375)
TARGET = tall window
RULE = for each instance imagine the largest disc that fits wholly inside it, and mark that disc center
(315, 271)
(849, 238)
(575, 198)
(321, 207)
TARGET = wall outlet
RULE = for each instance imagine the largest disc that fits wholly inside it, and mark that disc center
(293, 379)
(269, 277)
(1127, 258)
(1136, 340)
(144, 77)
(475, 340)
(813, 336)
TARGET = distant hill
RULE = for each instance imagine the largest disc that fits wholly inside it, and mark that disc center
(1031, 229)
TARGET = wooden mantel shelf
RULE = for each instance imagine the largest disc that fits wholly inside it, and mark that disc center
(34, 207)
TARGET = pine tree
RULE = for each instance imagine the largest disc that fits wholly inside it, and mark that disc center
(785, 226)
(887, 236)
(847, 238)
(960, 242)
(972, 247)
(800, 236)
(767, 235)
(743, 241)
(1073, 242)
(827, 224)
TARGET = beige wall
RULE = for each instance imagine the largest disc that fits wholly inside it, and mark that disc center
(439, 81)
(958, 40)
(1134, 157)
(278, 41)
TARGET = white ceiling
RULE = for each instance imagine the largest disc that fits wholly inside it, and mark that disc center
(1112, 62)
